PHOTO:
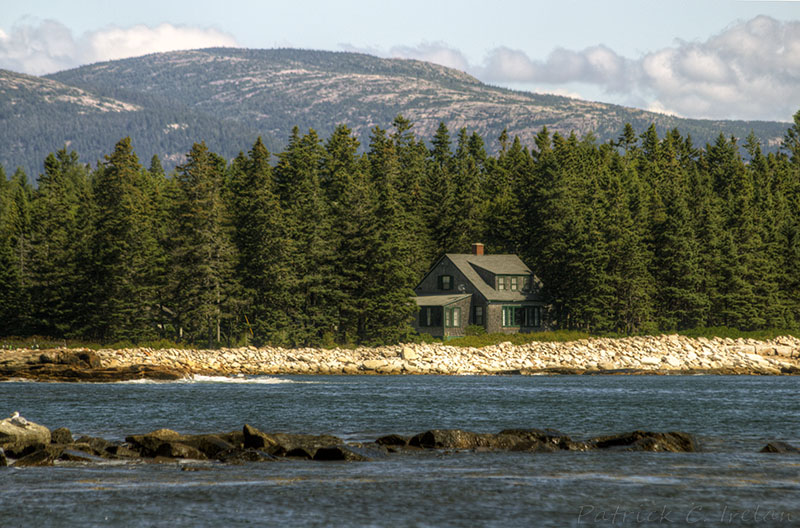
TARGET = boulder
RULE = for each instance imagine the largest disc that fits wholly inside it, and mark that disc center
(339, 452)
(409, 354)
(96, 446)
(173, 449)
(536, 440)
(3, 459)
(449, 439)
(675, 442)
(44, 455)
(241, 456)
(148, 444)
(301, 445)
(255, 439)
(392, 440)
(16, 434)
(62, 435)
(374, 364)
(780, 447)
(210, 445)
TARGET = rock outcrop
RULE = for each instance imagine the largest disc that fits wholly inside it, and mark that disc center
(18, 435)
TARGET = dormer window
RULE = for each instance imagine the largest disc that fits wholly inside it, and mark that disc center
(526, 284)
(501, 283)
(445, 282)
(514, 283)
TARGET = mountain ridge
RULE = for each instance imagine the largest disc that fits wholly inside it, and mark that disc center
(228, 96)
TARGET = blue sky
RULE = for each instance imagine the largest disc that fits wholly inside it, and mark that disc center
(705, 58)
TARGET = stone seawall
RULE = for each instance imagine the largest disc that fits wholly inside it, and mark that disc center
(637, 355)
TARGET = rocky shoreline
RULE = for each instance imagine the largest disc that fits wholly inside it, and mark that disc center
(667, 354)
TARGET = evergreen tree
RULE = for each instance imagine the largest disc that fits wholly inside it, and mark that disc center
(439, 193)
(391, 282)
(263, 266)
(15, 241)
(203, 255)
(468, 208)
(124, 246)
(356, 231)
(311, 254)
(61, 215)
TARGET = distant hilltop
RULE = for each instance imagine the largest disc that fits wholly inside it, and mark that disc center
(228, 96)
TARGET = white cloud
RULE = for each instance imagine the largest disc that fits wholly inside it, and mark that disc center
(435, 52)
(750, 70)
(49, 46)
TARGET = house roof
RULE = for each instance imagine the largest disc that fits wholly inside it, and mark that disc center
(440, 300)
(497, 265)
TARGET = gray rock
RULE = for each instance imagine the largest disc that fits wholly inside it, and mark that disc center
(3, 459)
(16, 434)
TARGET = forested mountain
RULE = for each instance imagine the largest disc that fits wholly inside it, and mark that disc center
(323, 241)
(227, 97)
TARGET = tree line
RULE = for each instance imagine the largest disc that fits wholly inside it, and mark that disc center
(323, 242)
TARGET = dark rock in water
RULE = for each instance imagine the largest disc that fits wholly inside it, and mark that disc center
(122, 451)
(301, 445)
(19, 451)
(75, 455)
(3, 459)
(241, 456)
(340, 452)
(780, 447)
(96, 446)
(210, 445)
(255, 439)
(178, 450)
(675, 442)
(147, 444)
(536, 440)
(46, 455)
(392, 440)
(450, 439)
(62, 435)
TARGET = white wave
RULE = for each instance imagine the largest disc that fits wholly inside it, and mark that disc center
(256, 380)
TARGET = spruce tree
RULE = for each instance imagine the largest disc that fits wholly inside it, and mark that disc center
(390, 283)
(61, 216)
(311, 254)
(203, 254)
(123, 248)
(263, 266)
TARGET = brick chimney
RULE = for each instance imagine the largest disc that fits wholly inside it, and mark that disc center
(477, 248)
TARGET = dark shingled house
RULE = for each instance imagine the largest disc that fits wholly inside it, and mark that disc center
(497, 292)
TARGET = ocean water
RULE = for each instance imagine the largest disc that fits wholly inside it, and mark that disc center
(728, 483)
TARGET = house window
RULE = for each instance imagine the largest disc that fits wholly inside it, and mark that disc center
(501, 283)
(445, 282)
(511, 316)
(430, 316)
(526, 283)
(514, 283)
(532, 316)
(452, 317)
(477, 315)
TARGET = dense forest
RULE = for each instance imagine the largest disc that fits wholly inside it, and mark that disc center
(324, 242)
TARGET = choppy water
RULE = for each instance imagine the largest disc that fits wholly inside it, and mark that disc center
(728, 484)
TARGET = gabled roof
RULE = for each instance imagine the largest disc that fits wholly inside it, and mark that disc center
(440, 300)
(497, 265)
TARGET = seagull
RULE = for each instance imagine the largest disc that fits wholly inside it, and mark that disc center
(16, 419)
